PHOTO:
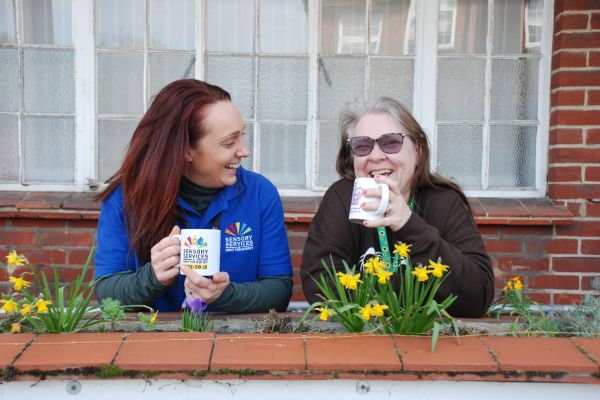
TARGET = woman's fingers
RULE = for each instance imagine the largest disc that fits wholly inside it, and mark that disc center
(164, 257)
(208, 290)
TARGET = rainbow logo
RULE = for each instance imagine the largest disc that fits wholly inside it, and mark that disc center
(194, 242)
(238, 229)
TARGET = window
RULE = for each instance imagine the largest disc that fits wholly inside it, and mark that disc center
(78, 76)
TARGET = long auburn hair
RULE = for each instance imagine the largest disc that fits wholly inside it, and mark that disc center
(155, 159)
(349, 118)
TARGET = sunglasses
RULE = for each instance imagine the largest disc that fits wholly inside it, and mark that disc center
(389, 143)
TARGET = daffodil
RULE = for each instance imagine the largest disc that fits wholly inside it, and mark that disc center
(16, 259)
(325, 313)
(508, 286)
(26, 309)
(374, 265)
(378, 309)
(18, 283)
(42, 306)
(153, 317)
(366, 312)
(437, 269)
(349, 281)
(10, 306)
(420, 273)
(402, 248)
(15, 328)
(517, 283)
(343, 278)
(384, 276)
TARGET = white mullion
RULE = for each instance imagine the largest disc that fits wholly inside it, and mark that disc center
(145, 71)
(18, 28)
(256, 158)
(425, 76)
(199, 38)
(312, 126)
(485, 157)
(85, 93)
(367, 48)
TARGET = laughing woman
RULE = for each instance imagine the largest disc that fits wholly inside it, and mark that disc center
(182, 169)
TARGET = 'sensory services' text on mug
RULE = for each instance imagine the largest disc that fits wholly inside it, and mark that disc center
(357, 214)
(200, 250)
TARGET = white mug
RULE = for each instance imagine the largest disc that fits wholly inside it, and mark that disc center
(200, 250)
(357, 214)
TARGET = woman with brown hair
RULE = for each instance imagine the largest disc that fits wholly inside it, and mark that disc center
(381, 139)
(182, 168)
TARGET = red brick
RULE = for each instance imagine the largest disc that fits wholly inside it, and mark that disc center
(526, 230)
(576, 40)
(579, 228)
(586, 282)
(592, 174)
(487, 230)
(592, 209)
(565, 59)
(575, 264)
(17, 238)
(296, 227)
(65, 238)
(576, 117)
(297, 294)
(82, 224)
(565, 282)
(594, 60)
(568, 98)
(501, 245)
(561, 246)
(43, 200)
(37, 223)
(564, 174)
(574, 155)
(566, 298)
(47, 257)
(595, 21)
(79, 257)
(540, 297)
(570, 21)
(575, 77)
(297, 242)
(573, 191)
(296, 260)
(592, 136)
(521, 264)
(593, 98)
(576, 208)
(592, 247)
(575, 5)
(9, 199)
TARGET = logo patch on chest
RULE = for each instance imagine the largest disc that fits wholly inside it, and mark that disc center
(238, 237)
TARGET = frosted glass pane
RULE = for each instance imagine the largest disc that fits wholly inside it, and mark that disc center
(120, 80)
(230, 25)
(282, 149)
(343, 26)
(113, 139)
(329, 144)
(512, 156)
(283, 26)
(49, 149)
(166, 68)
(283, 88)
(248, 162)
(392, 78)
(517, 26)
(341, 80)
(460, 89)
(47, 21)
(462, 26)
(120, 24)
(9, 84)
(9, 137)
(392, 27)
(236, 75)
(459, 153)
(514, 89)
(49, 81)
(171, 24)
(7, 22)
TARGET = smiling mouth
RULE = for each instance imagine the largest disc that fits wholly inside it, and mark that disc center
(232, 166)
(384, 172)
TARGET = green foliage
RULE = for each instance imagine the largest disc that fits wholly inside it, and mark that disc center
(149, 320)
(112, 313)
(196, 322)
(583, 319)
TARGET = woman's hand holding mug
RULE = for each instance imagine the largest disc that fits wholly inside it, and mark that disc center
(165, 258)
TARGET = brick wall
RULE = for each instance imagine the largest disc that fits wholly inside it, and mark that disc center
(557, 252)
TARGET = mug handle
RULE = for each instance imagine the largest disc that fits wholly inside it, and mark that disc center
(180, 239)
(385, 199)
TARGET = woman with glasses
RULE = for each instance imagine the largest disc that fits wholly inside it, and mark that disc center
(382, 140)
(183, 169)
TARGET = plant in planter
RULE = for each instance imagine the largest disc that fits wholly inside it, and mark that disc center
(194, 318)
(365, 299)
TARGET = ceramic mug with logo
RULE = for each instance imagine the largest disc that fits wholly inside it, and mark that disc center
(200, 250)
(357, 214)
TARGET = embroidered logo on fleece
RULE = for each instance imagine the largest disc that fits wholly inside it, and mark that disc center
(238, 237)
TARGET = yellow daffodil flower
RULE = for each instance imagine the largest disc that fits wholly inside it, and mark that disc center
(353, 281)
(374, 265)
(378, 309)
(153, 317)
(517, 283)
(420, 273)
(402, 248)
(366, 311)
(343, 278)
(18, 283)
(42, 306)
(26, 309)
(384, 276)
(15, 328)
(16, 259)
(508, 286)
(325, 313)
(437, 269)
(10, 306)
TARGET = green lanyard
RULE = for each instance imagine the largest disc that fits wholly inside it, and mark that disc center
(385, 247)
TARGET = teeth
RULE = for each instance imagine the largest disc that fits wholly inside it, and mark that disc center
(232, 166)
(381, 172)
